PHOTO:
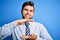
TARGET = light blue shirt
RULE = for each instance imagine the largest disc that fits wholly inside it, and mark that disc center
(17, 31)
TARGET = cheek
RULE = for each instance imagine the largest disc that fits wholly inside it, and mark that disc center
(24, 12)
(32, 14)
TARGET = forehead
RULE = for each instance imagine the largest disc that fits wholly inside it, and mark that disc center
(28, 7)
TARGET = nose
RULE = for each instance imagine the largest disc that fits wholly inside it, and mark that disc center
(28, 12)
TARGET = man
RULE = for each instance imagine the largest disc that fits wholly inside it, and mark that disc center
(26, 28)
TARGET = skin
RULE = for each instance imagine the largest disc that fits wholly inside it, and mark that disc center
(27, 13)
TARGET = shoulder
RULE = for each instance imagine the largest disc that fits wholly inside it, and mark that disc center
(37, 24)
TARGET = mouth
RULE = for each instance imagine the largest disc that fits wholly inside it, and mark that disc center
(27, 15)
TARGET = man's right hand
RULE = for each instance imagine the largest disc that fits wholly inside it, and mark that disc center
(17, 22)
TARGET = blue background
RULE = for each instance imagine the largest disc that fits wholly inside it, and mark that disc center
(47, 12)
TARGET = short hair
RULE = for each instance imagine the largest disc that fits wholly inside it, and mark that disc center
(30, 3)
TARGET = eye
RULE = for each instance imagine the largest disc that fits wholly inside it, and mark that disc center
(26, 9)
(31, 10)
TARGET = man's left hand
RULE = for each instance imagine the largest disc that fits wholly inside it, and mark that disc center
(33, 36)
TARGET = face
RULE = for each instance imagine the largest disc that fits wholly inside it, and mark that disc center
(28, 12)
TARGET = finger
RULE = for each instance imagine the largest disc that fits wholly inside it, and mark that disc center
(22, 36)
(33, 34)
(31, 20)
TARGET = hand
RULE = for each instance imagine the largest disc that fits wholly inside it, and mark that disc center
(33, 36)
(24, 37)
(30, 37)
(23, 21)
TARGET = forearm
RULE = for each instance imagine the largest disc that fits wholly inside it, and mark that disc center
(5, 30)
(19, 22)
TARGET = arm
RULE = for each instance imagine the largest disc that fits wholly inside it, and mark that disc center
(19, 22)
(44, 35)
(5, 30)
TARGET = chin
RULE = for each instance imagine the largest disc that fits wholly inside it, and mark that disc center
(27, 17)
